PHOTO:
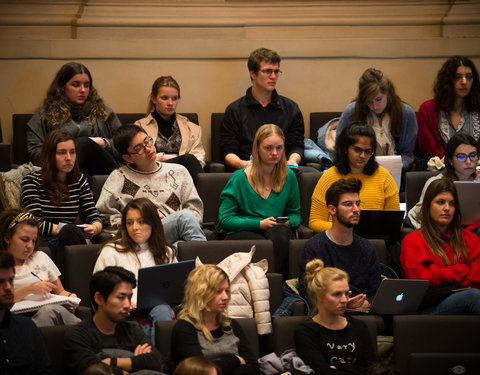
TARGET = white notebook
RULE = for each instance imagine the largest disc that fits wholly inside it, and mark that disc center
(33, 302)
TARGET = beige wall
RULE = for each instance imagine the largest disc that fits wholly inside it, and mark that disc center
(325, 46)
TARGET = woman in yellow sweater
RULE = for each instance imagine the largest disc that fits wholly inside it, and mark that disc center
(355, 157)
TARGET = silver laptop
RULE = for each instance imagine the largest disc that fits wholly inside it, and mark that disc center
(396, 297)
(469, 200)
(162, 284)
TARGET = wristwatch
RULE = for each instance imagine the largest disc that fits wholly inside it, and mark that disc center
(113, 361)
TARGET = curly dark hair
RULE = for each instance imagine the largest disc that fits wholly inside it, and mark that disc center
(444, 87)
(348, 137)
(56, 107)
(372, 82)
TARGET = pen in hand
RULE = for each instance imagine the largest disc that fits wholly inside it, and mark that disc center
(36, 276)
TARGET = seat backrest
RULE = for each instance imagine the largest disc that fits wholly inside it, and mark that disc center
(78, 268)
(306, 184)
(97, 184)
(19, 125)
(53, 338)
(215, 125)
(414, 183)
(163, 335)
(381, 249)
(433, 334)
(130, 118)
(209, 187)
(214, 252)
(318, 119)
(294, 250)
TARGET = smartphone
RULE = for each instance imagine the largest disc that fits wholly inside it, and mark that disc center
(281, 219)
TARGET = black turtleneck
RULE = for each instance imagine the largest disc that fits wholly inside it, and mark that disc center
(164, 126)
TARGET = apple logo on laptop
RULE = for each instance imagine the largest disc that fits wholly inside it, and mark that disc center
(399, 297)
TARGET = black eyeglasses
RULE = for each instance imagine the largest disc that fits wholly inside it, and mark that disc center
(269, 72)
(463, 157)
(359, 150)
(138, 149)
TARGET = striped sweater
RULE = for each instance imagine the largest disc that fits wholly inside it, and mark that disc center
(379, 192)
(36, 200)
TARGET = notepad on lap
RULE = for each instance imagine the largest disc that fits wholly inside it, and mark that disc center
(33, 302)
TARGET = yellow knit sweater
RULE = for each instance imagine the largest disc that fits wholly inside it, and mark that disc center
(379, 192)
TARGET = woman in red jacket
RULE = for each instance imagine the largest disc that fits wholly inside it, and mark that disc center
(442, 252)
(454, 109)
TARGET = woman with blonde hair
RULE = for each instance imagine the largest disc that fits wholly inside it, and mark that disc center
(393, 121)
(177, 139)
(73, 104)
(329, 342)
(262, 201)
(204, 330)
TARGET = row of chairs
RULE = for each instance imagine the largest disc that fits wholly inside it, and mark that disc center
(428, 336)
(20, 120)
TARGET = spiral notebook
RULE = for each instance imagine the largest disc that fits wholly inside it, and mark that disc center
(33, 302)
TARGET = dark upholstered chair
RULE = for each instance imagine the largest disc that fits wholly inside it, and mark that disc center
(318, 119)
(53, 338)
(209, 187)
(163, 335)
(78, 268)
(433, 334)
(214, 252)
(284, 329)
(5, 161)
(307, 183)
(217, 163)
(414, 183)
(97, 185)
(295, 248)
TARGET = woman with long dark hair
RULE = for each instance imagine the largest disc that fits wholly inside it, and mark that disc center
(455, 107)
(74, 105)
(442, 252)
(378, 105)
(263, 200)
(176, 138)
(58, 194)
(329, 342)
(204, 330)
(355, 150)
(139, 242)
(461, 158)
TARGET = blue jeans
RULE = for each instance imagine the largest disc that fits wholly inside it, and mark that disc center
(466, 302)
(182, 226)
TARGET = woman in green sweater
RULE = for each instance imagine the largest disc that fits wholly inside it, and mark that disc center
(262, 201)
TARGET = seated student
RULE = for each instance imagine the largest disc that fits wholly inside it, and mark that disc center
(442, 252)
(35, 272)
(168, 186)
(340, 247)
(329, 342)
(355, 150)
(58, 194)
(176, 138)
(455, 107)
(196, 366)
(461, 157)
(107, 337)
(257, 195)
(139, 242)
(203, 329)
(393, 121)
(73, 104)
(23, 347)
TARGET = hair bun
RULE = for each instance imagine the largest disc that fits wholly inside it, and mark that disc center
(312, 268)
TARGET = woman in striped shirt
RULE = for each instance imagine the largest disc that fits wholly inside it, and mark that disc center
(58, 194)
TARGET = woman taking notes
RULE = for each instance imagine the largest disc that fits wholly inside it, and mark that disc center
(329, 342)
(203, 329)
(262, 201)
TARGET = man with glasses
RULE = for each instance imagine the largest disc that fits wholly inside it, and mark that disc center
(169, 186)
(340, 247)
(261, 105)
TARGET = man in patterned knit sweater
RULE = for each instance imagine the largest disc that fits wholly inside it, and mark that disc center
(169, 186)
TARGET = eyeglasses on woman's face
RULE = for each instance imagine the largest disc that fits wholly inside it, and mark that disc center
(140, 148)
(359, 151)
(463, 157)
